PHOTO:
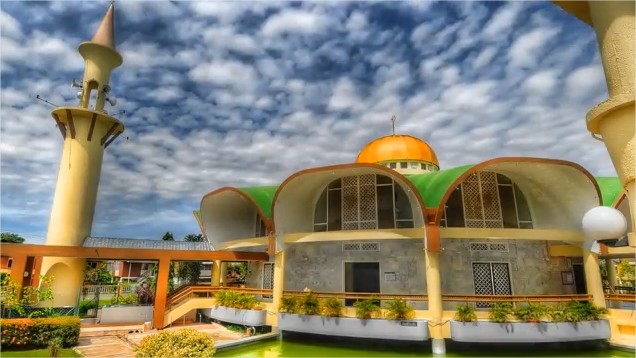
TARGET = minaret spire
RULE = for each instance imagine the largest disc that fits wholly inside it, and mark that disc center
(105, 34)
(393, 119)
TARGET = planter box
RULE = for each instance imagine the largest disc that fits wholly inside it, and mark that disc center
(411, 330)
(126, 314)
(522, 332)
(251, 318)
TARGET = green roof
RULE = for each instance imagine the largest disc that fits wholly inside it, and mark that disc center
(263, 196)
(433, 186)
(611, 188)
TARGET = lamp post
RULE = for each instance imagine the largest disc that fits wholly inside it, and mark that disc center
(599, 223)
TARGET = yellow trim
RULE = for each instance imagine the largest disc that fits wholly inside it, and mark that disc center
(349, 235)
(565, 250)
(235, 244)
(511, 234)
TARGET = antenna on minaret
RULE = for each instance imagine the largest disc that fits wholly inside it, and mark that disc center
(393, 118)
(45, 101)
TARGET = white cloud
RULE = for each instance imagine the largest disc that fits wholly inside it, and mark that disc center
(584, 81)
(528, 47)
(503, 19)
(294, 21)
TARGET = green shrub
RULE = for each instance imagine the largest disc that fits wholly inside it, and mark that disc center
(399, 309)
(238, 300)
(576, 311)
(309, 304)
(368, 308)
(500, 311)
(332, 307)
(182, 343)
(130, 299)
(84, 306)
(39, 332)
(530, 312)
(290, 305)
(465, 313)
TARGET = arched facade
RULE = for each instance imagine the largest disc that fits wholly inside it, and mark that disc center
(230, 214)
(363, 202)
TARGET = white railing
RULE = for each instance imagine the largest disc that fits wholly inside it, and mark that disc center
(108, 289)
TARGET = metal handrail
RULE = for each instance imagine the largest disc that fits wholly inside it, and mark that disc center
(187, 291)
(361, 295)
(515, 298)
(621, 297)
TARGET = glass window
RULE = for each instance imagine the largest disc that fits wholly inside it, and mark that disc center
(385, 207)
(414, 165)
(454, 209)
(393, 165)
(502, 179)
(523, 211)
(402, 204)
(508, 210)
(336, 184)
(423, 166)
(320, 215)
(404, 165)
(335, 209)
(383, 179)
(430, 167)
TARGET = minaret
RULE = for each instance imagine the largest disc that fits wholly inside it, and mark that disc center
(87, 130)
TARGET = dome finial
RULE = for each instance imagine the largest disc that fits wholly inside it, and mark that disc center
(393, 119)
(105, 34)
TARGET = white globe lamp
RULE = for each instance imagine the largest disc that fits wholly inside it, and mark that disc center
(602, 223)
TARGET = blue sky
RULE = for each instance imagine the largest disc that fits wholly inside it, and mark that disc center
(247, 93)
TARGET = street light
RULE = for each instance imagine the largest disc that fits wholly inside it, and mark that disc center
(603, 223)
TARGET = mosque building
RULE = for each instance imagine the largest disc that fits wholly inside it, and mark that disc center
(503, 226)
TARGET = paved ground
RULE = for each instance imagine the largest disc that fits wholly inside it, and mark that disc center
(122, 346)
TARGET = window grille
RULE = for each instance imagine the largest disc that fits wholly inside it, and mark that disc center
(491, 278)
(488, 246)
(268, 277)
(361, 246)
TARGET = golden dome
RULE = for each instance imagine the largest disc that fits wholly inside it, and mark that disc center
(397, 147)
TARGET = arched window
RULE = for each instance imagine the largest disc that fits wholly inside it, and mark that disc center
(363, 202)
(487, 200)
(259, 226)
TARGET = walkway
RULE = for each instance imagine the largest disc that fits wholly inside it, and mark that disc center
(122, 345)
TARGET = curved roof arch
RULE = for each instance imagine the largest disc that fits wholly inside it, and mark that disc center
(541, 180)
(228, 213)
(611, 190)
(290, 212)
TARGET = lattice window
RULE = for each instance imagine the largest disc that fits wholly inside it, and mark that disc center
(478, 246)
(370, 246)
(351, 246)
(268, 277)
(491, 279)
(498, 247)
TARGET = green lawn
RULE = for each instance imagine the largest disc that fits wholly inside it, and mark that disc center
(39, 353)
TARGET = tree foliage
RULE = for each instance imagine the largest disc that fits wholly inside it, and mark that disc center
(18, 298)
(626, 273)
(97, 275)
(189, 272)
(11, 237)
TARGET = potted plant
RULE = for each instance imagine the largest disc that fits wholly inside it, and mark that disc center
(301, 314)
(500, 312)
(236, 307)
(465, 313)
(576, 321)
(399, 309)
(332, 307)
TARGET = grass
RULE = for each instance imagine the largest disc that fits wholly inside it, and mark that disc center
(64, 352)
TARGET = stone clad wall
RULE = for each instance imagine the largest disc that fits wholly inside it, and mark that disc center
(320, 266)
(532, 270)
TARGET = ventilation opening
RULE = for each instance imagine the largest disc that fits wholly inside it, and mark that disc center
(361, 246)
(488, 246)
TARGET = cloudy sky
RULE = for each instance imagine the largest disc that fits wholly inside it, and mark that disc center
(240, 94)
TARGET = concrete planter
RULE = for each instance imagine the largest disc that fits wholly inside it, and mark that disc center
(522, 332)
(126, 314)
(253, 318)
(411, 330)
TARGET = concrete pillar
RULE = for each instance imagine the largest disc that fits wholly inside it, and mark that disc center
(435, 306)
(161, 293)
(222, 273)
(593, 277)
(613, 119)
(216, 273)
(279, 280)
(18, 266)
(611, 277)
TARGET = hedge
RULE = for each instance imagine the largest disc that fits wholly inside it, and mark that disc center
(39, 332)
(185, 343)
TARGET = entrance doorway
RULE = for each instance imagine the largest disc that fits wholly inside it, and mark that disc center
(579, 279)
(361, 277)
